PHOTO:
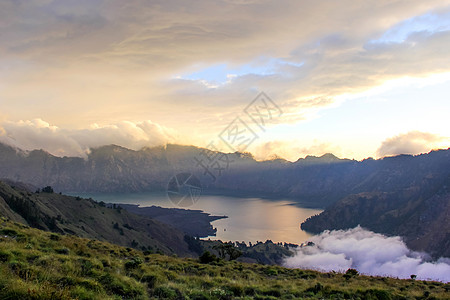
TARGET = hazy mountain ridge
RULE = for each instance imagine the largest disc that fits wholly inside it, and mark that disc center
(318, 181)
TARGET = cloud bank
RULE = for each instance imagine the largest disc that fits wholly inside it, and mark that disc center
(413, 142)
(38, 134)
(369, 253)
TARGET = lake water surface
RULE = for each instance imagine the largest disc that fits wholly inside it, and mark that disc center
(249, 219)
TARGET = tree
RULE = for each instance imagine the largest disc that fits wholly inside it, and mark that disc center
(47, 189)
(227, 249)
(207, 258)
(221, 249)
(350, 273)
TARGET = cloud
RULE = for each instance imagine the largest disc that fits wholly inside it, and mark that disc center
(368, 252)
(413, 142)
(74, 63)
(95, 55)
(293, 149)
(38, 134)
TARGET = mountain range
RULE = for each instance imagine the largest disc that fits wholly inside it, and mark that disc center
(403, 195)
(316, 181)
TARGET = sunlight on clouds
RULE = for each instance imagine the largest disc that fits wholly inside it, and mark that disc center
(292, 150)
(401, 83)
(38, 134)
(414, 142)
(194, 67)
(429, 22)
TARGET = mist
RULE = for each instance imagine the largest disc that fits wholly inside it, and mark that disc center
(368, 252)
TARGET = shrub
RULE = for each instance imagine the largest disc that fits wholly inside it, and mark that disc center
(150, 279)
(207, 258)
(350, 273)
(315, 289)
(47, 189)
(272, 292)
(165, 292)
(198, 295)
(8, 232)
(271, 271)
(55, 237)
(249, 291)
(64, 251)
(133, 263)
(86, 266)
(236, 290)
(4, 255)
(90, 285)
(378, 294)
(127, 288)
(66, 281)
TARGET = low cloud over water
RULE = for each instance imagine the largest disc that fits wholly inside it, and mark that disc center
(368, 252)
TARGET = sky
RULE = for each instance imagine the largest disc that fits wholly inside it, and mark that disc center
(357, 79)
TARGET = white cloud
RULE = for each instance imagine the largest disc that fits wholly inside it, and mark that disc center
(38, 134)
(368, 252)
(293, 149)
(413, 142)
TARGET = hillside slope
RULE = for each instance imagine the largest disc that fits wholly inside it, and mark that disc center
(40, 265)
(89, 219)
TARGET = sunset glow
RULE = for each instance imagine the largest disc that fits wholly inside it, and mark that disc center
(355, 79)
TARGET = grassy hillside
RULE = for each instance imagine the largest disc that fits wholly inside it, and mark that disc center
(87, 218)
(36, 264)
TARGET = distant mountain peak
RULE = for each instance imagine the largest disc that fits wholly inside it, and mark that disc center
(329, 156)
(326, 158)
(110, 150)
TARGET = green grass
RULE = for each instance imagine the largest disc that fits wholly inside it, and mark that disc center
(35, 264)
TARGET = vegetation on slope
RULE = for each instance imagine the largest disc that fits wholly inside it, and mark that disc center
(35, 264)
(87, 218)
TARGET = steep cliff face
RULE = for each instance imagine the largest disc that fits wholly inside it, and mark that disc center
(89, 219)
